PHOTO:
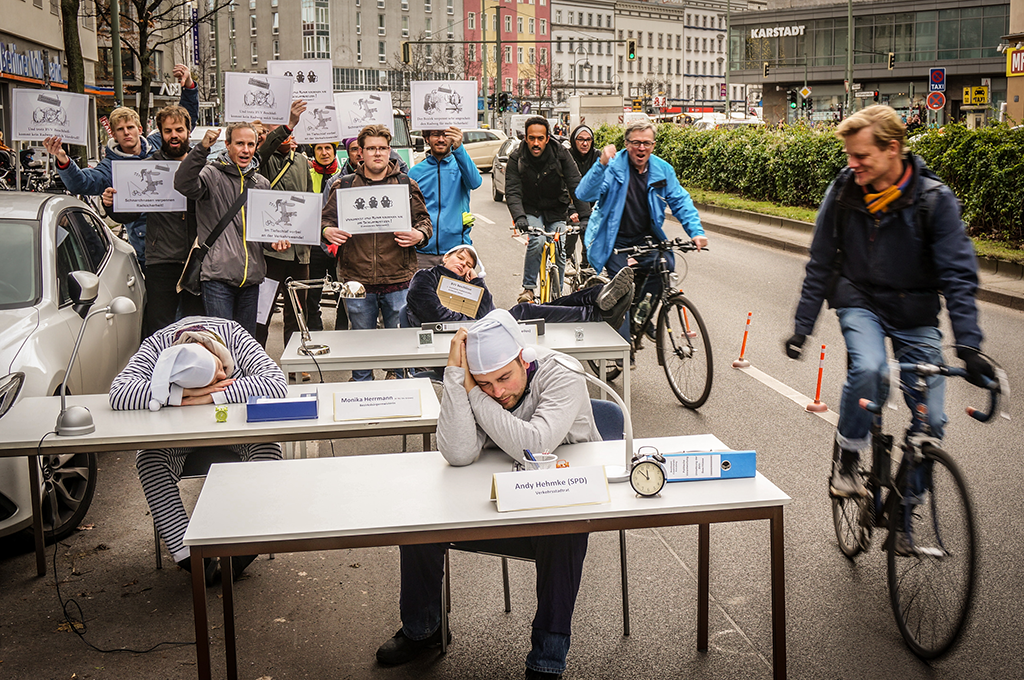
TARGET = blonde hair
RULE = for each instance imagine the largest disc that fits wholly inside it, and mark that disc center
(886, 126)
(239, 126)
(122, 113)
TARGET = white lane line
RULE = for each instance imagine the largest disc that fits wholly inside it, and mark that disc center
(483, 219)
(785, 390)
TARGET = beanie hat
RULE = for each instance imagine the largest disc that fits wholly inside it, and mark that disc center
(478, 266)
(179, 367)
(495, 341)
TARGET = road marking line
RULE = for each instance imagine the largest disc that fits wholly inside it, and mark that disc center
(785, 390)
(483, 219)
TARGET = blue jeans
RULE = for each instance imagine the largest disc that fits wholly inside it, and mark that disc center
(645, 277)
(868, 372)
(559, 562)
(227, 301)
(534, 250)
(362, 314)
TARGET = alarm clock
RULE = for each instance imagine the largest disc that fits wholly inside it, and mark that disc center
(648, 474)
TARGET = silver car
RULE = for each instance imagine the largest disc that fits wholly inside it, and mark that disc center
(46, 237)
(498, 165)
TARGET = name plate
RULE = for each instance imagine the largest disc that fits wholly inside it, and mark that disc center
(376, 405)
(694, 466)
(558, 488)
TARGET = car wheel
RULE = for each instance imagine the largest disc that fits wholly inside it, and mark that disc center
(497, 195)
(69, 480)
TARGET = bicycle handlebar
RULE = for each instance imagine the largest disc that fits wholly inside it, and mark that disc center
(682, 245)
(569, 230)
(932, 369)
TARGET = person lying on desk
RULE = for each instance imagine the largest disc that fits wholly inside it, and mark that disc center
(197, 360)
(499, 393)
(609, 302)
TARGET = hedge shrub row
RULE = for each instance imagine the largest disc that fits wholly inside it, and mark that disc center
(794, 164)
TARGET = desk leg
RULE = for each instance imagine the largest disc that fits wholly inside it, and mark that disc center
(426, 441)
(778, 596)
(37, 514)
(625, 381)
(199, 613)
(703, 584)
(228, 591)
(602, 373)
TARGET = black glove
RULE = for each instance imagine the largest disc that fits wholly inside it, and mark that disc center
(522, 224)
(978, 367)
(794, 346)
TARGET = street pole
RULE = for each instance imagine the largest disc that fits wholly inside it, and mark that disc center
(115, 50)
(849, 58)
(728, 62)
(216, 57)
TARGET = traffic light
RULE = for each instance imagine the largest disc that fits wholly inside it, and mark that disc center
(502, 101)
(809, 104)
(791, 98)
(405, 52)
(766, 69)
(892, 60)
(631, 50)
(490, 101)
(875, 94)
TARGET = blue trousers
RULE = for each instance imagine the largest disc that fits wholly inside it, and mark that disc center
(868, 372)
(534, 250)
(571, 308)
(362, 314)
(559, 562)
(227, 301)
(645, 276)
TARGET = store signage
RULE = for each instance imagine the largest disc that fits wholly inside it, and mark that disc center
(1014, 63)
(29, 64)
(776, 32)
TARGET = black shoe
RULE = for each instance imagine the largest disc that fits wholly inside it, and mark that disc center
(238, 565)
(613, 291)
(537, 675)
(211, 569)
(400, 649)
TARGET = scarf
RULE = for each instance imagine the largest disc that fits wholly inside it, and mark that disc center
(880, 201)
(583, 162)
(325, 170)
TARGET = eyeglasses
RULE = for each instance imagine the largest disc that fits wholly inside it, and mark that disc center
(585, 140)
(373, 150)
(640, 144)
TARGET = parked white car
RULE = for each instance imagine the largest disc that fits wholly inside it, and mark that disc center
(480, 144)
(46, 237)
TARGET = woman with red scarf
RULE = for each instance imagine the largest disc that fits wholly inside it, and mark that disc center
(322, 167)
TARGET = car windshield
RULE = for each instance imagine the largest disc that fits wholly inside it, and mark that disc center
(19, 264)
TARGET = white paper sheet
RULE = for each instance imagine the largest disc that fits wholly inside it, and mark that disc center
(440, 104)
(312, 79)
(268, 291)
(146, 186)
(278, 215)
(254, 96)
(372, 209)
(356, 110)
(39, 114)
(318, 124)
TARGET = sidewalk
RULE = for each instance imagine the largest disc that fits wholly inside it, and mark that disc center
(1002, 283)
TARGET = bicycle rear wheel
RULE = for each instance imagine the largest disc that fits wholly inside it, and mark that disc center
(852, 518)
(684, 350)
(931, 590)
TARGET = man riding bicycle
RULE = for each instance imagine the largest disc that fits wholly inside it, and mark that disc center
(631, 189)
(888, 240)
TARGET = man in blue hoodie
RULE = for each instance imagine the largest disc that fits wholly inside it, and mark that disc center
(127, 144)
(446, 177)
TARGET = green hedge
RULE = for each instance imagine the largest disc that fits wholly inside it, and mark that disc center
(794, 164)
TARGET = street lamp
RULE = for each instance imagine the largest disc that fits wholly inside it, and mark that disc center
(586, 64)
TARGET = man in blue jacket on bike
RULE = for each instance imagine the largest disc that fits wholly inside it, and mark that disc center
(446, 177)
(888, 240)
(127, 144)
(632, 188)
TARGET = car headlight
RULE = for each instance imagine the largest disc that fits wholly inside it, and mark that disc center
(10, 386)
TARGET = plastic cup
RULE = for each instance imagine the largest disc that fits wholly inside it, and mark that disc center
(545, 461)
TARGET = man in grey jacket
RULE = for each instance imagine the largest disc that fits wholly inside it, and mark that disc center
(234, 267)
(500, 394)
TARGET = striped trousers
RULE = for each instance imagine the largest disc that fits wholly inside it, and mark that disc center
(160, 471)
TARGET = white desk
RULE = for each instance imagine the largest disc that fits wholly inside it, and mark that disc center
(326, 504)
(390, 348)
(31, 418)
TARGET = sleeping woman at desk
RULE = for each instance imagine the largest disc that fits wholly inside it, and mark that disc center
(597, 303)
(197, 360)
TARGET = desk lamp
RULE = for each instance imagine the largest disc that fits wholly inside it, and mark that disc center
(613, 472)
(352, 289)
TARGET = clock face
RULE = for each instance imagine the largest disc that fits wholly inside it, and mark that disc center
(647, 478)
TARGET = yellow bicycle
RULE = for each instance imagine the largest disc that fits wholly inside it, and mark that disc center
(549, 283)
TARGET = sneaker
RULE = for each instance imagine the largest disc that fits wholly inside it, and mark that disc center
(391, 375)
(400, 649)
(211, 569)
(238, 565)
(570, 270)
(306, 377)
(525, 296)
(538, 675)
(616, 289)
(847, 482)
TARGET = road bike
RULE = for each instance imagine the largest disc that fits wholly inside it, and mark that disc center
(931, 572)
(549, 284)
(679, 333)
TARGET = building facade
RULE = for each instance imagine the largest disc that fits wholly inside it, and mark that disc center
(584, 49)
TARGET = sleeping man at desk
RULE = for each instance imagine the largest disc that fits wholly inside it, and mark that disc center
(197, 360)
(609, 302)
(500, 394)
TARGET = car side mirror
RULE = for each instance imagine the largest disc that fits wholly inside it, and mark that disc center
(418, 148)
(83, 287)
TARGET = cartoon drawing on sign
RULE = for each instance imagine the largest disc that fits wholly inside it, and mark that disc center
(285, 216)
(442, 100)
(146, 175)
(289, 74)
(322, 118)
(53, 113)
(373, 201)
(367, 108)
(311, 77)
(385, 202)
(360, 204)
(300, 77)
(263, 96)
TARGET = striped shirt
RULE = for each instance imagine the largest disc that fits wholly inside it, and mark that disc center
(255, 374)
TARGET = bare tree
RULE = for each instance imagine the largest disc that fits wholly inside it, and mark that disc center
(69, 10)
(431, 61)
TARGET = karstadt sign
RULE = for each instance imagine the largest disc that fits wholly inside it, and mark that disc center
(776, 32)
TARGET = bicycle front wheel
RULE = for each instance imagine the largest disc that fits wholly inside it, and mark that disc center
(546, 282)
(684, 350)
(852, 518)
(931, 579)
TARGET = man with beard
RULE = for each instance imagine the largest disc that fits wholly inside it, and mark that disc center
(540, 183)
(581, 148)
(233, 268)
(128, 144)
(169, 235)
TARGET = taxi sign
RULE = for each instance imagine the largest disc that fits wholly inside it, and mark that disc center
(936, 101)
(979, 95)
(937, 79)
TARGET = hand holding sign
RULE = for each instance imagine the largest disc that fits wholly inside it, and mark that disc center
(54, 148)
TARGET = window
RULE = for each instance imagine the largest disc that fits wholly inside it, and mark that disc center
(572, 16)
(273, 3)
(451, 29)
(429, 59)
(405, 27)
(532, 55)
(532, 24)
(508, 24)
(650, 40)
(508, 83)
(359, 50)
(231, 52)
(661, 41)
(471, 21)
(428, 31)
(558, 71)
(252, 4)
(359, 23)
(599, 21)
(590, 19)
(620, 63)
(519, 25)
(253, 53)
(275, 24)
(688, 91)
(705, 21)
(687, 43)
(380, 4)
(660, 66)
(558, 45)
(519, 55)
(508, 55)
(405, 5)
(579, 18)
(630, 35)
(231, 27)
(705, 41)
(382, 51)
(668, 64)
(679, 39)
(451, 6)
(600, 47)
(558, 16)
(213, 77)
(600, 69)
(277, 49)
(650, 64)
(678, 62)
(380, 25)
(426, 6)
(472, 52)
(543, 26)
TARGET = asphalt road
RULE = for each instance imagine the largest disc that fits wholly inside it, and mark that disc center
(320, 615)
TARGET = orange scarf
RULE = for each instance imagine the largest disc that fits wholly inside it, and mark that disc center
(879, 202)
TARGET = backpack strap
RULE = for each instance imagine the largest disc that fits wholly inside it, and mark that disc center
(284, 169)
